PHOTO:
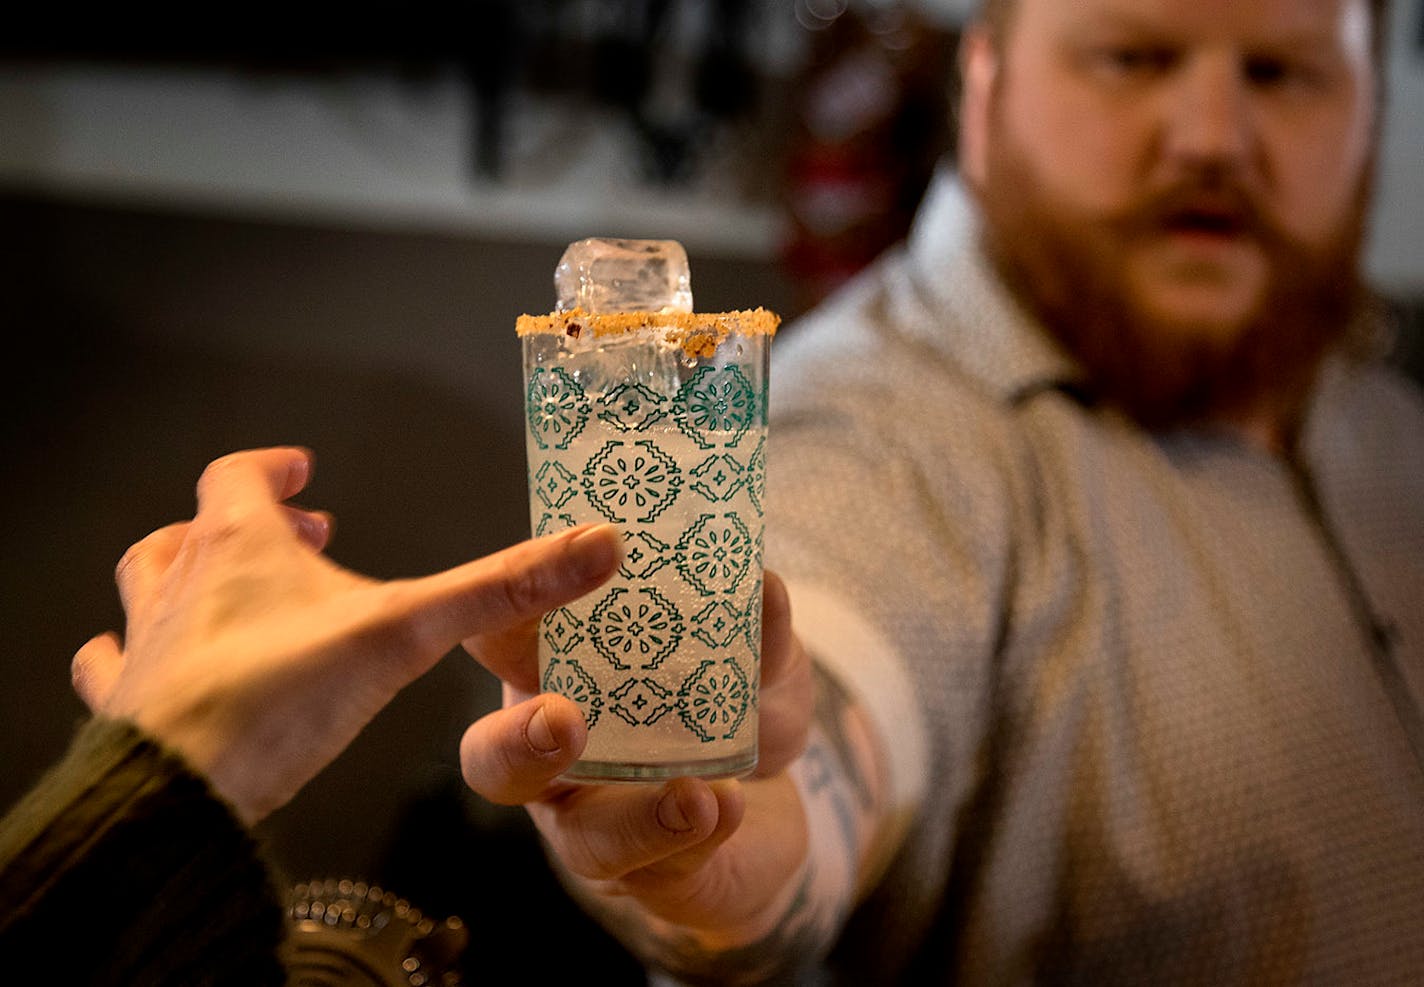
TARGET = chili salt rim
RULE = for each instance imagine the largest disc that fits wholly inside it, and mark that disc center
(699, 333)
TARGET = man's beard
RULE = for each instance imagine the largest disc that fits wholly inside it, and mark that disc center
(1071, 275)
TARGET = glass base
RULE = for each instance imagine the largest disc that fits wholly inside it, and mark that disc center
(632, 772)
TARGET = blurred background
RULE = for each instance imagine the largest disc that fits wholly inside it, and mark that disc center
(265, 233)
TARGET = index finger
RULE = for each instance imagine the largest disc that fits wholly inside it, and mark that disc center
(262, 476)
(504, 590)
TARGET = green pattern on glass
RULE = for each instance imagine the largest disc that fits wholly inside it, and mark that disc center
(562, 631)
(714, 700)
(718, 477)
(718, 624)
(642, 628)
(643, 554)
(756, 476)
(631, 407)
(631, 483)
(554, 484)
(549, 523)
(567, 677)
(641, 702)
(556, 408)
(716, 400)
(714, 554)
(751, 620)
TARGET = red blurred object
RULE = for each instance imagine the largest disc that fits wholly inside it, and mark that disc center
(871, 117)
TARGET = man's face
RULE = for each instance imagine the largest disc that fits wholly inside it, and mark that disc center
(1189, 173)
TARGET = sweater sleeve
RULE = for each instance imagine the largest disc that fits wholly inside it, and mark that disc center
(122, 867)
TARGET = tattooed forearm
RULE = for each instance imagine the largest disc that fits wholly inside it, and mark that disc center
(841, 768)
(835, 781)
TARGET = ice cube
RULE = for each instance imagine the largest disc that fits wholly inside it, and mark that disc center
(623, 361)
(605, 274)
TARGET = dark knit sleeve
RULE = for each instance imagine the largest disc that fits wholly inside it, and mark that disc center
(122, 867)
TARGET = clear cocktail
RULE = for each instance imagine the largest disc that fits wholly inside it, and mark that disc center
(656, 422)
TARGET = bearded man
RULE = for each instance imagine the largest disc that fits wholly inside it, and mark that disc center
(1105, 537)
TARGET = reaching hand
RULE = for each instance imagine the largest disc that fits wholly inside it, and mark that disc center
(259, 659)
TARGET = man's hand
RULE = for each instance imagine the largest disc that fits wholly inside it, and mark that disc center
(259, 659)
(715, 861)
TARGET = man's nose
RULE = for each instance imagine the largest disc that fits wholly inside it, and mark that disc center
(1209, 114)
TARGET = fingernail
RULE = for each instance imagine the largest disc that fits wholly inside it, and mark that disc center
(538, 735)
(316, 528)
(595, 551)
(299, 473)
(670, 814)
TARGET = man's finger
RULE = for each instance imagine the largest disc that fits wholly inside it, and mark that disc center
(513, 756)
(603, 832)
(95, 669)
(758, 842)
(787, 686)
(731, 808)
(776, 636)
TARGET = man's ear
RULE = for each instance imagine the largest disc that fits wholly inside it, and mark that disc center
(978, 67)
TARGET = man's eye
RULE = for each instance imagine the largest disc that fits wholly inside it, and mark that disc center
(1268, 72)
(1135, 60)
